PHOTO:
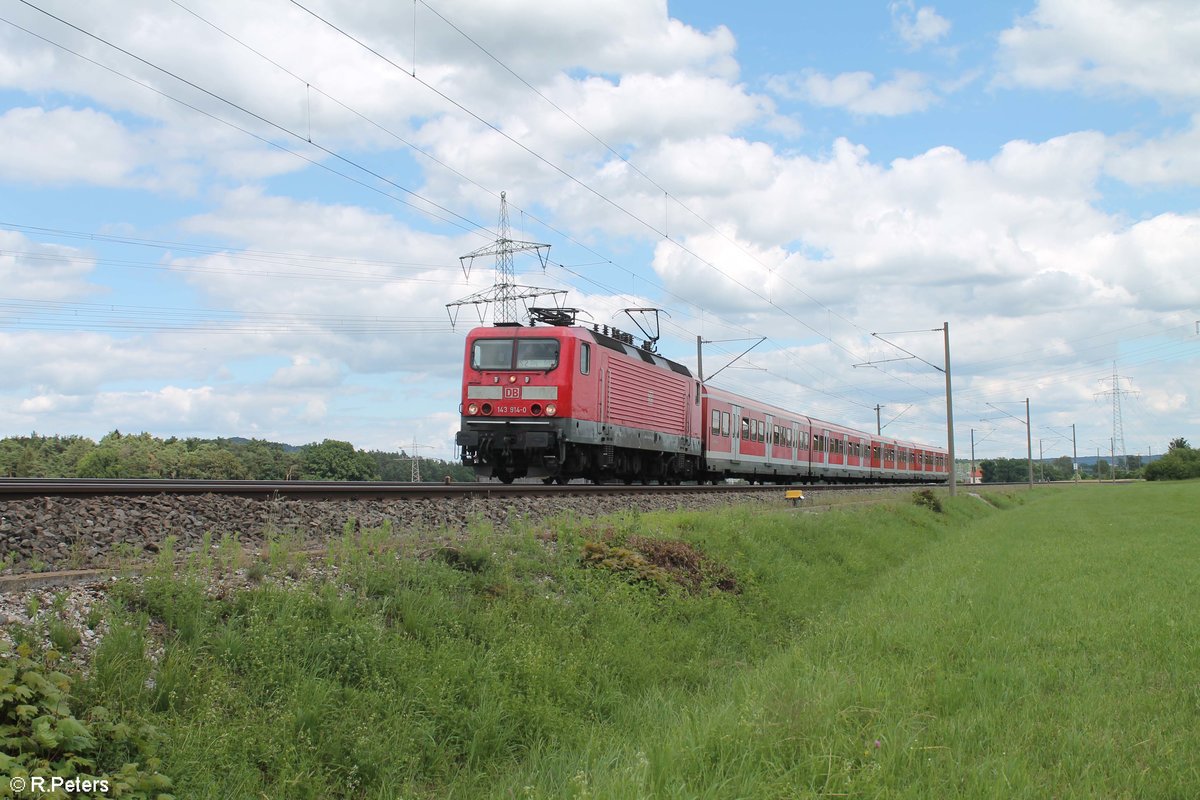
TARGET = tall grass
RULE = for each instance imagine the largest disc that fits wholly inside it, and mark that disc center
(1046, 649)
(458, 670)
(1047, 652)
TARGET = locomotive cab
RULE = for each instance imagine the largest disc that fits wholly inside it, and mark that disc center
(513, 399)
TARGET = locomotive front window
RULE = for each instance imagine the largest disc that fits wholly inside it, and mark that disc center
(492, 354)
(537, 353)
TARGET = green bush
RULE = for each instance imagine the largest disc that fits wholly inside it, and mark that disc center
(40, 736)
(925, 498)
(1180, 463)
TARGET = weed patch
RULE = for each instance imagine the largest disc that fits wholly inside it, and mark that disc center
(925, 498)
(661, 562)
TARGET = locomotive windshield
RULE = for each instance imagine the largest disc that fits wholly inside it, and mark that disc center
(492, 354)
(539, 354)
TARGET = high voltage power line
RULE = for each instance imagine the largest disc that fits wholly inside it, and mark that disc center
(461, 222)
(323, 149)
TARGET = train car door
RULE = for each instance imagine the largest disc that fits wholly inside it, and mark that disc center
(735, 444)
(769, 450)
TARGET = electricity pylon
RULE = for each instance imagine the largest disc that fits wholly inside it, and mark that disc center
(505, 292)
(1118, 424)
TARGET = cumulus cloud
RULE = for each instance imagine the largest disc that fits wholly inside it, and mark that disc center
(859, 92)
(65, 145)
(1167, 160)
(34, 271)
(918, 27)
(1149, 47)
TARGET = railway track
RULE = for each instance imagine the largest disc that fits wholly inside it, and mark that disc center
(25, 488)
(79, 526)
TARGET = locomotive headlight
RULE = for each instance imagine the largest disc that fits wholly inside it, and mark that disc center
(472, 409)
(551, 409)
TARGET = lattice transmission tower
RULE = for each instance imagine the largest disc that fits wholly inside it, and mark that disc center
(505, 293)
(1118, 424)
(416, 459)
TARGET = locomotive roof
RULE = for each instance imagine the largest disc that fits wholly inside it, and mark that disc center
(636, 352)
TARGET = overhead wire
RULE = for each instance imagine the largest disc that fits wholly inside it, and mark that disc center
(335, 155)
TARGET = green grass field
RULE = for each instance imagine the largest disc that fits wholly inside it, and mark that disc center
(1039, 644)
(1048, 651)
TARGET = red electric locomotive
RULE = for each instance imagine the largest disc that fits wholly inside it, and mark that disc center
(563, 401)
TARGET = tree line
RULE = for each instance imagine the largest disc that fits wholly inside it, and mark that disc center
(1180, 462)
(141, 455)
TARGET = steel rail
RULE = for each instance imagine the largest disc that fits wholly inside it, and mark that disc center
(25, 488)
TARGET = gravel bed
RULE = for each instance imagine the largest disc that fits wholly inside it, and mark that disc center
(74, 533)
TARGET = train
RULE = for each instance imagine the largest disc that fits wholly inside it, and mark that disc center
(566, 401)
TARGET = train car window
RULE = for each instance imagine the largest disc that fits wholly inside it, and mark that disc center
(724, 423)
(492, 354)
(716, 421)
(774, 434)
(585, 358)
(537, 353)
(762, 431)
(745, 427)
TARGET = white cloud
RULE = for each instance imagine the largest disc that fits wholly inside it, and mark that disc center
(306, 371)
(66, 145)
(34, 271)
(1168, 160)
(1148, 47)
(859, 92)
(918, 27)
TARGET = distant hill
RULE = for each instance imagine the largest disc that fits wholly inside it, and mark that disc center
(287, 448)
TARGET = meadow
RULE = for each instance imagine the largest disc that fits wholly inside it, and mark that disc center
(1025, 644)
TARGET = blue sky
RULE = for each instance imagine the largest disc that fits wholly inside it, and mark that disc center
(811, 173)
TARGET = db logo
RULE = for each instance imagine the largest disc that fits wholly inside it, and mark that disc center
(512, 392)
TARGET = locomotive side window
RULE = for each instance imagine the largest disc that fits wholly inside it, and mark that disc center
(585, 358)
(492, 354)
(537, 353)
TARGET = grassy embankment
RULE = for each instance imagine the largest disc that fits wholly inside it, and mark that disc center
(1044, 650)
